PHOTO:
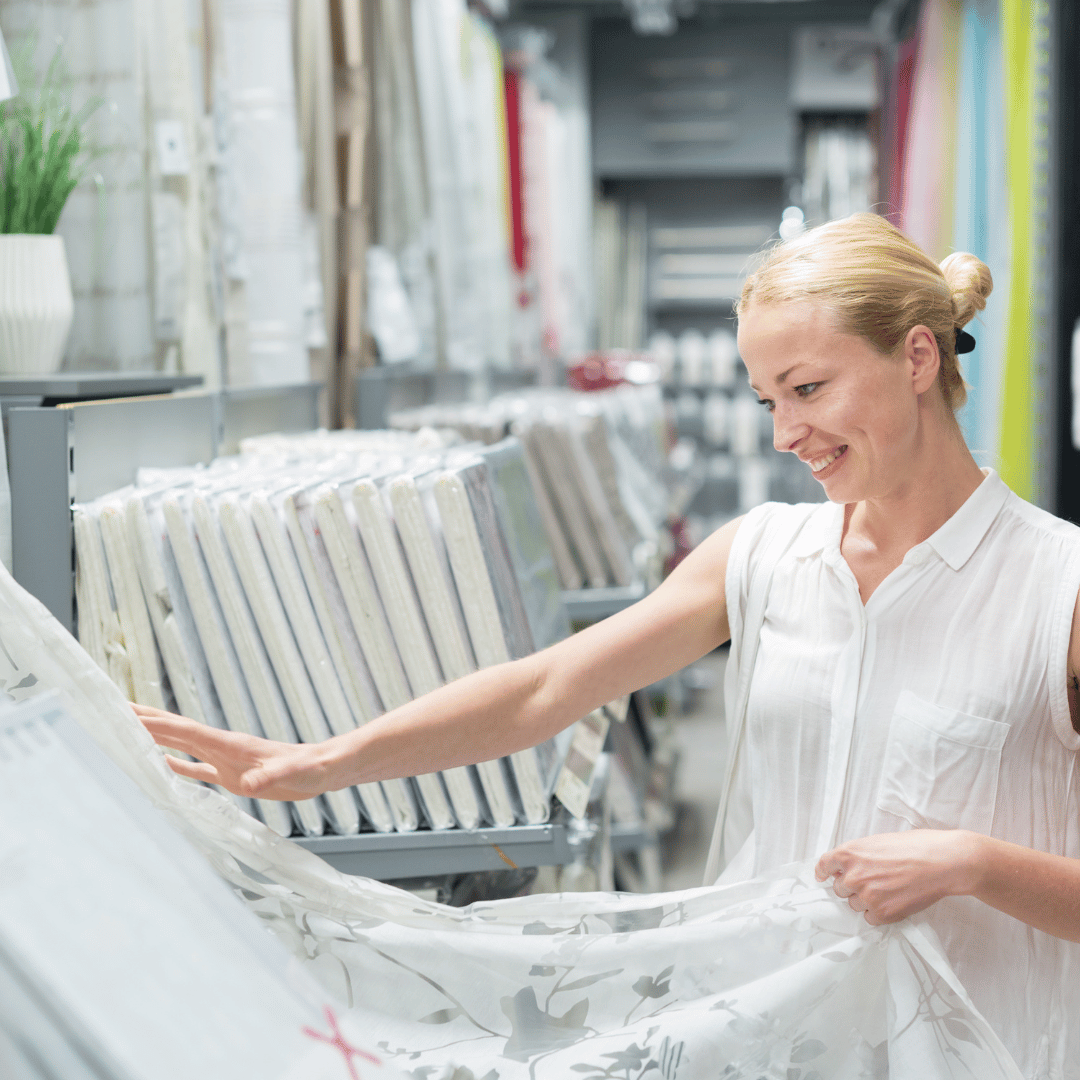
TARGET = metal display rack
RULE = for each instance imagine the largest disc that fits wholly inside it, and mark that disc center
(83, 449)
(591, 605)
(387, 856)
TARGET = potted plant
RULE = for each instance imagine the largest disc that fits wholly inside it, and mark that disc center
(41, 146)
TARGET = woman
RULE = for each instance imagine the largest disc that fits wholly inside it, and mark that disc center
(913, 718)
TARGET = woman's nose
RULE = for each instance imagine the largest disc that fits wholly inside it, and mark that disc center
(788, 430)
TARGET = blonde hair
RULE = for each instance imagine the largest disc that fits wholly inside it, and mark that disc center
(879, 284)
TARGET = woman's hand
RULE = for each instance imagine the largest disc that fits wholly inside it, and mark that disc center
(243, 764)
(893, 875)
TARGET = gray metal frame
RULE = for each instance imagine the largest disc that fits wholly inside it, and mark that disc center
(386, 856)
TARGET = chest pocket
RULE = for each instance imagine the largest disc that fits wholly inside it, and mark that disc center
(941, 766)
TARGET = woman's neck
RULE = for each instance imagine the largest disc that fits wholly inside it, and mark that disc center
(942, 478)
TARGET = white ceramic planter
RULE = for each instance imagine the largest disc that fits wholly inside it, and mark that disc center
(35, 303)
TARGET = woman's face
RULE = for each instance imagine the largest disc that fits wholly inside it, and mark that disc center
(847, 411)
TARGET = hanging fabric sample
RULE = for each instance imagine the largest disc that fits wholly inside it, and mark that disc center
(981, 218)
(260, 201)
(403, 224)
(439, 31)
(773, 974)
(930, 157)
(184, 234)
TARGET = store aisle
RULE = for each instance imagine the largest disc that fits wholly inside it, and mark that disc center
(701, 739)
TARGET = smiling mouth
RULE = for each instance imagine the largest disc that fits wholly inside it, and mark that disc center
(823, 462)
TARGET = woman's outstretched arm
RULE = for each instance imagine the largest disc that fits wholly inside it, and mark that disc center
(485, 715)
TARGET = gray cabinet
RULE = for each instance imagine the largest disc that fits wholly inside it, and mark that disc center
(707, 101)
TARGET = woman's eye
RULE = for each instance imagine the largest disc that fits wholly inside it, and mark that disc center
(806, 389)
(769, 404)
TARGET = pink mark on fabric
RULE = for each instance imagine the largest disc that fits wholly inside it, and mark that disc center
(337, 1040)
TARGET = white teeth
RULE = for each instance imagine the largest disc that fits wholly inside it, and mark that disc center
(819, 463)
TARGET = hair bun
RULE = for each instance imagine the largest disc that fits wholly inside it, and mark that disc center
(970, 283)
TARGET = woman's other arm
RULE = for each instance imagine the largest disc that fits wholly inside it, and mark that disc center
(485, 715)
(898, 874)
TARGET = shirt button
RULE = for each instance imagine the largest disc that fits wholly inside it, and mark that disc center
(917, 556)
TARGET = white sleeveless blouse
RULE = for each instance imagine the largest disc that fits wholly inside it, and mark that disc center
(941, 703)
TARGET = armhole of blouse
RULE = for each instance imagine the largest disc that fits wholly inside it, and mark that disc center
(737, 578)
(1058, 667)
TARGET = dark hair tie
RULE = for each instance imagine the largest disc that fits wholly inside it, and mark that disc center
(964, 341)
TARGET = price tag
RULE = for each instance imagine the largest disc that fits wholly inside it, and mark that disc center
(575, 779)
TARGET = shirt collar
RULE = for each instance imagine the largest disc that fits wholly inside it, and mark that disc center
(955, 542)
(822, 529)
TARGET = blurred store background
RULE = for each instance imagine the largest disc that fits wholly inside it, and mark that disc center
(426, 203)
(287, 190)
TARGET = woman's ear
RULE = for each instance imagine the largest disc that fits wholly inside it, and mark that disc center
(923, 357)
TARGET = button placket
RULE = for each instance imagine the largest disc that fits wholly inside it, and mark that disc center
(845, 700)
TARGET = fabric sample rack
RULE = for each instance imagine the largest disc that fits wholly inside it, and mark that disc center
(60, 456)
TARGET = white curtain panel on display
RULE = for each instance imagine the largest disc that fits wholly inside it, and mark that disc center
(390, 314)
(403, 222)
(441, 29)
(261, 204)
(771, 977)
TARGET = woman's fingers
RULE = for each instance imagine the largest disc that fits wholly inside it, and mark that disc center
(193, 770)
(242, 763)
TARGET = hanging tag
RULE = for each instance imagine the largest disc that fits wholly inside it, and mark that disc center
(575, 780)
(171, 148)
(618, 708)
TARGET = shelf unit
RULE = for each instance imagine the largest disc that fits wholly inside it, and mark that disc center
(389, 856)
(78, 451)
(591, 605)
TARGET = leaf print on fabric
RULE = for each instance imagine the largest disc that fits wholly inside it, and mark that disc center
(657, 987)
(588, 980)
(960, 1030)
(536, 1031)
(807, 1050)
(441, 1016)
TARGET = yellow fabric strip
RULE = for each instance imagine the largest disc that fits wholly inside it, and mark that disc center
(1017, 457)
